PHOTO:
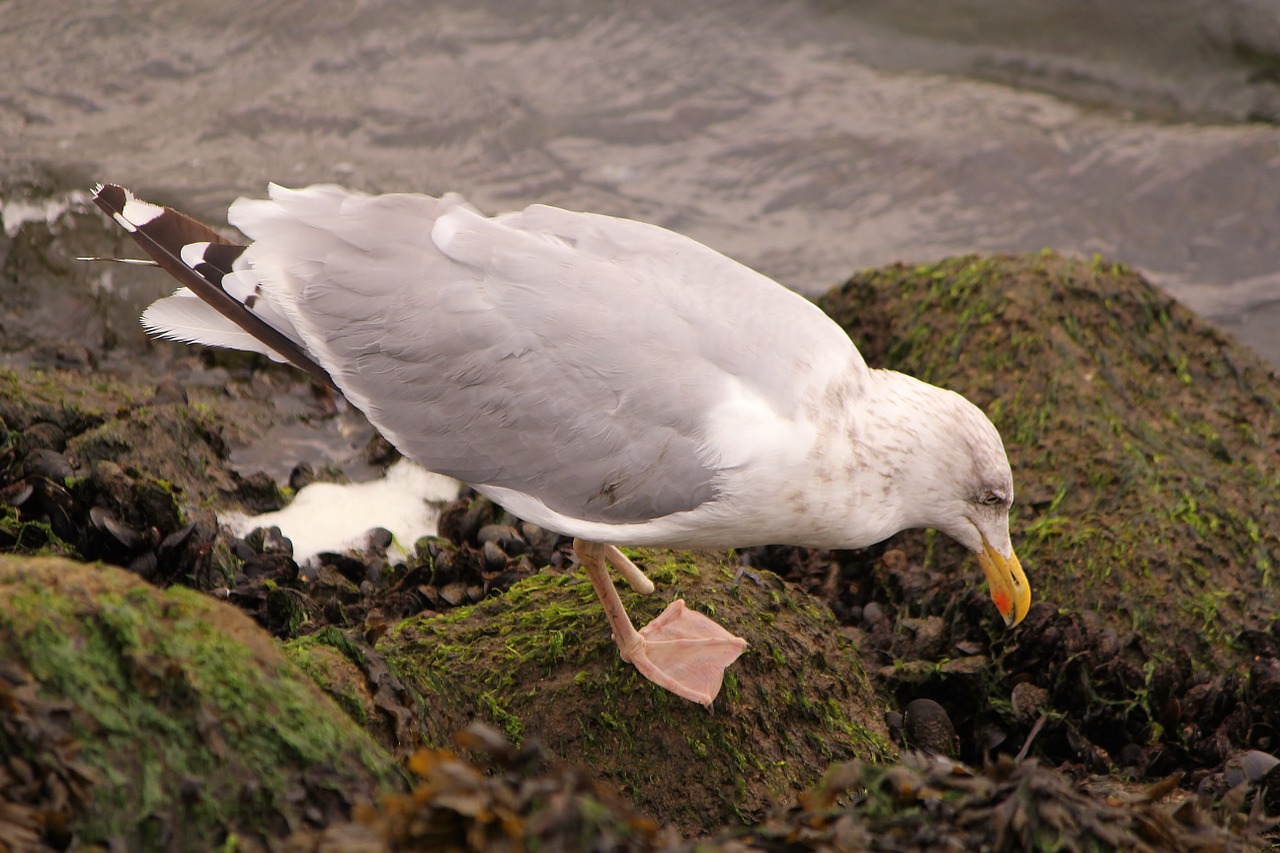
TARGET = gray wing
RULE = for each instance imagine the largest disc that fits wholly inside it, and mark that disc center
(572, 357)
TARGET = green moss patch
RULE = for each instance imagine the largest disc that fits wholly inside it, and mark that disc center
(1148, 507)
(538, 663)
(191, 726)
(1142, 439)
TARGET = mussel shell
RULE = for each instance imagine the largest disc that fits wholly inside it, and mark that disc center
(105, 520)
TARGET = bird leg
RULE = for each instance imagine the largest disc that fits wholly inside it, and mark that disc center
(630, 571)
(681, 651)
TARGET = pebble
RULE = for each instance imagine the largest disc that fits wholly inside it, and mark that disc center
(453, 593)
(494, 558)
(926, 635)
(505, 537)
(275, 542)
(1252, 767)
(1028, 701)
(168, 390)
(872, 612)
(927, 727)
(47, 464)
(46, 436)
(301, 476)
(380, 539)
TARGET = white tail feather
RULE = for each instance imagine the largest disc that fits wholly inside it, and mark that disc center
(183, 318)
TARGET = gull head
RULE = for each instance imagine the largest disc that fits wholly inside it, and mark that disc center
(960, 483)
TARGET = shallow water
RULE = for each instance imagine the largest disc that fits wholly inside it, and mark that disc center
(1210, 59)
(757, 127)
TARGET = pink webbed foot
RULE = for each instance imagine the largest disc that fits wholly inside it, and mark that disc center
(681, 651)
(685, 652)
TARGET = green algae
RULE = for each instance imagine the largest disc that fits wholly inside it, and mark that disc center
(537, 662)
(182, 449)
(175, 445)
(193, 725)
(32, 538)
(71, 400)
(1142, 439)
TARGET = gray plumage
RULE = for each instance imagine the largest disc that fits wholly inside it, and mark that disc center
(563, 349)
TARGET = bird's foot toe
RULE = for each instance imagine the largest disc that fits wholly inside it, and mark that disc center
(685, 652)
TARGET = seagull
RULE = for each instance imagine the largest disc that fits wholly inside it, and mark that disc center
(605, 378)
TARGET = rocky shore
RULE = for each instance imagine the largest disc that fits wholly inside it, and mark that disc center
(165, 685)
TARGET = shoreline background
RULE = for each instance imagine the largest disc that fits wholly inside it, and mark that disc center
(806, 139)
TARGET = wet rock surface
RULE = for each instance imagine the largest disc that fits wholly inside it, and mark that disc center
(136, 718)
(1095, 698)
(1152, 653)
(1141, 441)
(362, 588)
(463, 628)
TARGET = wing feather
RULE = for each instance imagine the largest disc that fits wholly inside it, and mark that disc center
(186, 318)
(575, 358)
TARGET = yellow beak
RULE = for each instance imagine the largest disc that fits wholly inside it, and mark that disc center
(1009, 588)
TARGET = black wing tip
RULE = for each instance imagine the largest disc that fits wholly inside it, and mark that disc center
(111, 196)
(162, 232)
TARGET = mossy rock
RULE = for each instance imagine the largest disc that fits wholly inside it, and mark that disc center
(178, 723)
(1142, 439)
(1142, 442)
(181, 445)
(538, 662)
